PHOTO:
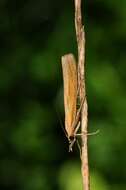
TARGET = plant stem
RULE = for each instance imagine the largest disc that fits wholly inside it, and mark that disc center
(80, 35)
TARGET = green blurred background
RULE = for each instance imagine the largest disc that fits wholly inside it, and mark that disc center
(33, 148)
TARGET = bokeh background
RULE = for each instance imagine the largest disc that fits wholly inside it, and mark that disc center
(33, 148)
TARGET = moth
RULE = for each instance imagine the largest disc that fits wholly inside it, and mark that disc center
(72, 115)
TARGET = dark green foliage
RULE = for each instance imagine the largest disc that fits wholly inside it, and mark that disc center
(34, 151)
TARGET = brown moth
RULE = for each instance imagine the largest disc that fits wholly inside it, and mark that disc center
(71, 90)
(72, 116)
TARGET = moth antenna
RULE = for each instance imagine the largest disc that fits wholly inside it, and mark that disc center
(79, 147)
(61, 123)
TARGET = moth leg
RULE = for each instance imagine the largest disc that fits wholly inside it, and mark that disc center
(78, 114)
(90, 134)
(78, 89)
(71, 144)
(77, 128)
(73, 141)
(79, 147)
(76, 124)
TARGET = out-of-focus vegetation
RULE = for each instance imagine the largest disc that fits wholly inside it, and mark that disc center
(33, 149)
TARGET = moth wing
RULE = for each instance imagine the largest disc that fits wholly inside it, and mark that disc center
(70, 91)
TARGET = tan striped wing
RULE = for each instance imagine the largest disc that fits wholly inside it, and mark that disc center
(70, 91)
